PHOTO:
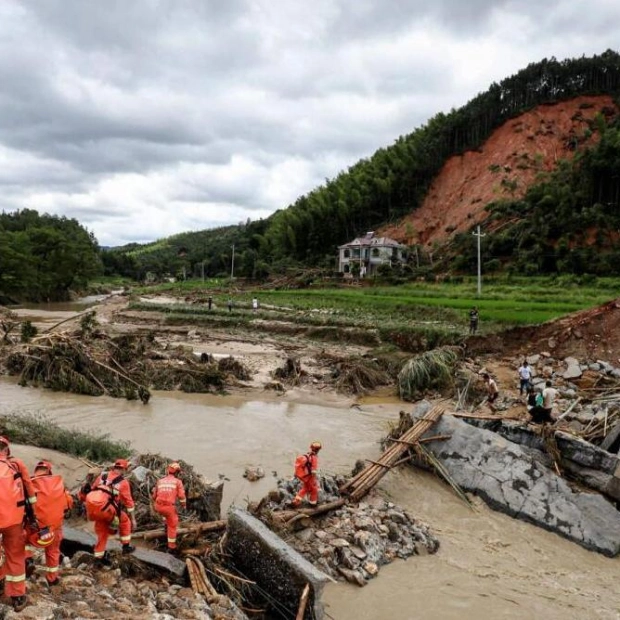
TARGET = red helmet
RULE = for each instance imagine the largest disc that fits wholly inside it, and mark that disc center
(174, 468)
(121, 464)
(315, 446)
(44, 465)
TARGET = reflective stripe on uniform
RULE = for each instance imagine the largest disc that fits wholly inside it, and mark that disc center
(125, 539)
(130, 510)
(16, 578)
(172, 540)
(50, 569)
(32, 500)
(99, 554)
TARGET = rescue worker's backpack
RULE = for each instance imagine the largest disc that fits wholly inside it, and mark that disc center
(51, 500)
(12, 494)
(303, 466)
(102, 503)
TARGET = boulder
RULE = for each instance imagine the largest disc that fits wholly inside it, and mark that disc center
(573, 369)
(510, 478)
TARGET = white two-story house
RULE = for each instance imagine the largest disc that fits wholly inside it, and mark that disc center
(369, 252)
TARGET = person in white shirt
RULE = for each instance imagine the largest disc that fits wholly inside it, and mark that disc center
(549, 394)
(525, 374)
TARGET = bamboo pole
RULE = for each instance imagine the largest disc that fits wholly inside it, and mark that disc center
(303, 601)
(361, 484)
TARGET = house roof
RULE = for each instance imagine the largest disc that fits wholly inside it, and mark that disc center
(368, 241)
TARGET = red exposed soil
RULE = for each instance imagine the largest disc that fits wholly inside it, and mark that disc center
(592, 334)
(503, 167)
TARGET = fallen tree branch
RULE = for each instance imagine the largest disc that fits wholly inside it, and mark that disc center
(197, 528)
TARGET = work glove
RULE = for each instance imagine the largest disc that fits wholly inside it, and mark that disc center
(114, 523)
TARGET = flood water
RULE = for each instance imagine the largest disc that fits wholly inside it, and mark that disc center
(488, 566)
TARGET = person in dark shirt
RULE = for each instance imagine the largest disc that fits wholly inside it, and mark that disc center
(473, 320)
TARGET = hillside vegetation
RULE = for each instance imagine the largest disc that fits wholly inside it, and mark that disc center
(44, 257)
(390, 184)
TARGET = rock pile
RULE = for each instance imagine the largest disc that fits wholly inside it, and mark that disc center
(106, 594)
(596, 383)
(353, 542)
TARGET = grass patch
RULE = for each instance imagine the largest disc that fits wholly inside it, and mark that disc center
(38, 430)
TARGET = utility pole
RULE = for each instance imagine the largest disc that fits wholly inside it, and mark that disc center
(232, 264)
(479, 235)
(203, 271)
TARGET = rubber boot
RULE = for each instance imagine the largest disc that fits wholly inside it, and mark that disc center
(128, 549)
(19, 602)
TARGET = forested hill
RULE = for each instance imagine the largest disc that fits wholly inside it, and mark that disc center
(44, 257)
(393, 182)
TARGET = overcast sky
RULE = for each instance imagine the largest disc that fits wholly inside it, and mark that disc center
(143, 118)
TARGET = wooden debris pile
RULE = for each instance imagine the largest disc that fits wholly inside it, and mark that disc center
(203, 498)
(358, 374)
(128, 366)
(63, 362)
(290, 372)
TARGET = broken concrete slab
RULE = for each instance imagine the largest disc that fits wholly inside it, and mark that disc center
(75, 539)
(510, 479)
(264, 557)
(611, 443)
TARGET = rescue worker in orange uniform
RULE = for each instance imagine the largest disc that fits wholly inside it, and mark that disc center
(16, 493)
(53, 500)
(306, 469)
(166, 492)
(110, 505)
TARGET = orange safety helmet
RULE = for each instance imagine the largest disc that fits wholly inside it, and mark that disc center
(121, 464)
(41, 538)
(44, 465)
(174, 468)
(315, 446)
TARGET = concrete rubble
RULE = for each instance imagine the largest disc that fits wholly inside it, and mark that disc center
(354, 541)
(513, 479)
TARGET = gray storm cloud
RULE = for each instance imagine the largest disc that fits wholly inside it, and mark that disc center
(192, 113)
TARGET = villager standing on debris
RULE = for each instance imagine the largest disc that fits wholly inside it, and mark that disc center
(230, 304)
(306, 469)
(473, 320)
(17, 496)
(167, 491)
(549, 395)
(255, 304)
(210, 302)
(53, 501)
(525, 374)
(492, 389)
(534, 406)
(110, 505)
